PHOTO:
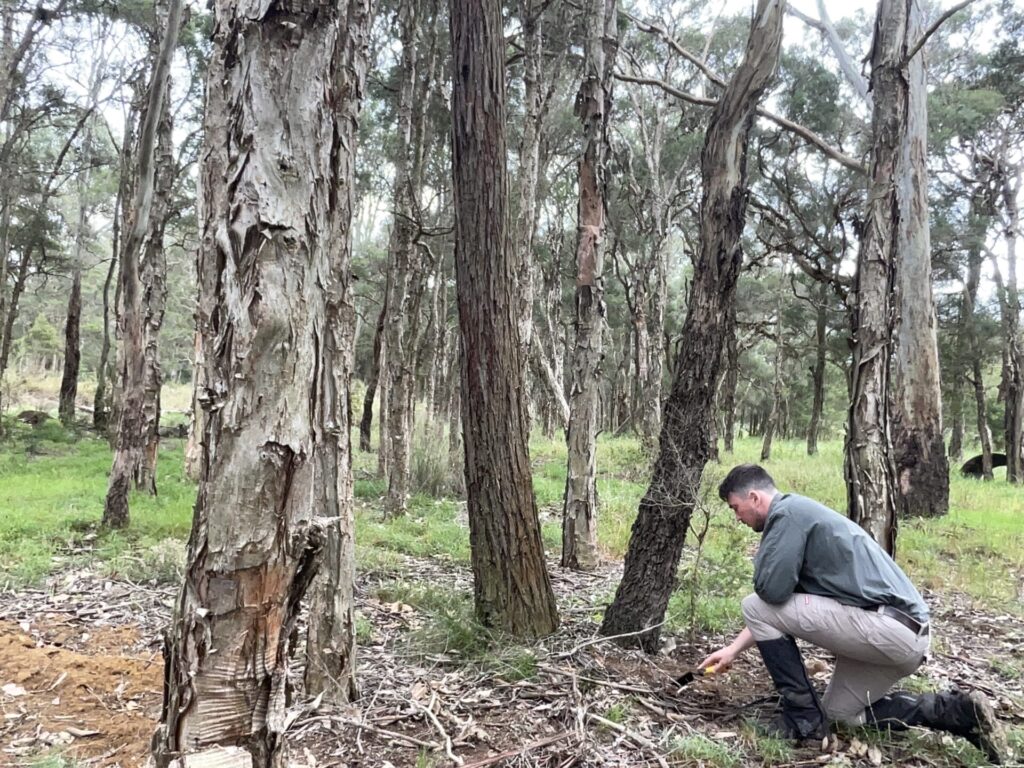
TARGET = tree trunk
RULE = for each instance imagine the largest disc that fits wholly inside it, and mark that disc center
(330, 651)
(196, 423)
(276, 460)
(366, 422)
(659, 532)
(919, 449)
(405, 270)
(727, 393)
(775, 417)
(100, 414)
(818, 371)
(1012, 385)
(512, 590)
(20, 279)
(72, 347)
(870, 466)
(130, 442)
(593, 107)
(153, 276)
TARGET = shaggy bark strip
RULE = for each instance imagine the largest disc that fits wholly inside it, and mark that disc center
(660, 529)
(284, 84)
(511, 586)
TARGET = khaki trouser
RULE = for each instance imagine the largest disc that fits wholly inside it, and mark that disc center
(872, 651)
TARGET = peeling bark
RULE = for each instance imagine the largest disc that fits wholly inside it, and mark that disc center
(283, 91)
(919, 449)
(511, 587)
(659, 532)
(130, 440)
(593, 107)
(870, 466)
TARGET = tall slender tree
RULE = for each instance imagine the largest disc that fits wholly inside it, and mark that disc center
(511, 586)
(593, 107)
(275, 319)
(895, 228)
(130, 437)
(659, 532)
(922, 468)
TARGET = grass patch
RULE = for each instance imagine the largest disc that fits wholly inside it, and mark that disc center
(429, 529)
(450, 629)
(697, 749)
(52, 505)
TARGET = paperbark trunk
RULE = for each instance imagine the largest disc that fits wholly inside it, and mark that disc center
(922, 467)
(130, 441)
(153, 276)
(282, 94)
(659, 532)
(512, 590)
(870, 467)
(593, 107)
(1012, 385)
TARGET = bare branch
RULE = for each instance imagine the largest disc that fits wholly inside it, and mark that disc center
(932, 29)
(805, 133)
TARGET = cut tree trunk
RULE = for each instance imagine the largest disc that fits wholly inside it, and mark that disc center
(511, 587)
(593, 107)
(275, 488)
(659, 532)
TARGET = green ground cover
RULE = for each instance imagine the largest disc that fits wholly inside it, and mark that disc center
(52, 485)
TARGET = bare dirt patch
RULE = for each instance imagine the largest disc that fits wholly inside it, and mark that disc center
(98, 705)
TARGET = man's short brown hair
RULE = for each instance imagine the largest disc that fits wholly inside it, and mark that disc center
(744, 478)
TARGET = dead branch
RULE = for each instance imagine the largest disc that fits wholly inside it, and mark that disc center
(633, 736)
(934, 27)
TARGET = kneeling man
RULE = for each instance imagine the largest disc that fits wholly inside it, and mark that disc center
(821, 578)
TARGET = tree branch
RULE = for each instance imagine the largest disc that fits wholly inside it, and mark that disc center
(932, 29)
(805, 133)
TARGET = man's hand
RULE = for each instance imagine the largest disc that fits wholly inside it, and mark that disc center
(723, 658)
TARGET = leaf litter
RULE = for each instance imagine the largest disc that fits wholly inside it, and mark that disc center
(81, 673)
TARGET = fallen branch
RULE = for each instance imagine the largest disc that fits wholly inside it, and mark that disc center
(633, 736)
(596, 640)
(428, 711)
(545, 742)
(382, 732)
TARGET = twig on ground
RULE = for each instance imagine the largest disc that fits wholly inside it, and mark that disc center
(432, 745)
(428, 712)
(633, 736)
(541, 743)
(595, 640)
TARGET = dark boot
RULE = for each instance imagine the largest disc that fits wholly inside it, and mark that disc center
(957, 713)
(801, 717)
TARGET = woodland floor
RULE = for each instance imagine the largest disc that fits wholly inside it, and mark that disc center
(81, 671)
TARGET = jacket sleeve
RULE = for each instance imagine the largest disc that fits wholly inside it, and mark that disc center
(779, 559)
